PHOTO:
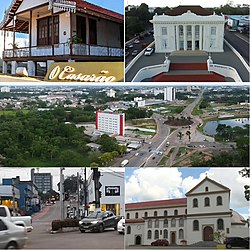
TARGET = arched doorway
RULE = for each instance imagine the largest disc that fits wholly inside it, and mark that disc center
(173, 238)
(138, 240)
(208, 233)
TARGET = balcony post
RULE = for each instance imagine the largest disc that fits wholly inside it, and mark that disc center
(30, 33)
(14, 39)
(52, 31)
(70, 44)
(88, 35)
(4, 40)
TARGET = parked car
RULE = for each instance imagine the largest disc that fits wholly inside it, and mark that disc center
(130, 45)
(18, 220)
(148, 51)
(135, 52)
(236, 242)
(121, 226)
(98, 221)
(11, 235)
(136, 41)
(126, 54)
(161, 242)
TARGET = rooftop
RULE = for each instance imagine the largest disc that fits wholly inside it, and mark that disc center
(181, 9)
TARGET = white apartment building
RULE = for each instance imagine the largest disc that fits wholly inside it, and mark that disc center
(112, 180)
(169, 94)
(111, 93)
(205, 210)
(109, 122)
(188, 28)
(5, 89)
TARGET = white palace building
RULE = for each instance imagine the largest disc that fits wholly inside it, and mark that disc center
(187, 220)
(188, 31)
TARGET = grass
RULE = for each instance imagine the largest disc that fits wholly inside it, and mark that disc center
(172, 130)
(34, 162)
(144, 133)
(145, 123)
(163, 161)
(181, 151)
(197, 110)
(138, 122)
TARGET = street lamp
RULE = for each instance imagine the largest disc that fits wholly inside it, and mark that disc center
(61, 192)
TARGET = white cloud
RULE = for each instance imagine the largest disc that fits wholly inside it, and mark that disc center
(167, 183)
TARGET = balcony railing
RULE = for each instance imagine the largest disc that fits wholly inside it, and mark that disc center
(63, 49)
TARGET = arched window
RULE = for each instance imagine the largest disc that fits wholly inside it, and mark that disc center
(181, 234)
(129, 230)
(136, 215)
(173, 222)
(206, 202)
(156, 223)
(219, 201)
(149, 234)
(149, 223)
(206, 189)
(156, 234)
(146, 214)
(165, 223)
(127, 217)
(220, 224)
(155, 213)
(195, 202)
(181, 222)
(186, 211)
(175, 212)
(165, 213)
(196, 225)
(165, 234)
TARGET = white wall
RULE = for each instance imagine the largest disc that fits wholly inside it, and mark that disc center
(27, 4)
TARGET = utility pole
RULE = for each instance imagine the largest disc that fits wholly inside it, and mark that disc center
(85, 193)
(62, 193)
(78, 195)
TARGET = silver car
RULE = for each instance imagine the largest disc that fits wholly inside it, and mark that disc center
(11, 236)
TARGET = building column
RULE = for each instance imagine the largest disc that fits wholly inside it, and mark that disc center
(49, 63)
(31, 68)
(177, 38)
(4, 69)
(200, 39)
(185, 36)
(13, 67)
(193, 37)
(30, 33)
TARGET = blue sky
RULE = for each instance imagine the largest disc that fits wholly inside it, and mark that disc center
(116, 5)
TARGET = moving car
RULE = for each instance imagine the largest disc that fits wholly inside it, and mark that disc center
(121, 226)
(98, 221)
(161, 242)
(148, 51)
(11, 235)
(236, 242)
(135, 52)
(124, 163)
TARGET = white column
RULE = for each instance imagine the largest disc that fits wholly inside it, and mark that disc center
(13, 67)
(185, 36)
(4, 70)
(200, 39)
(31, 68)
(177, 38)
(193, 37)
(49, 63)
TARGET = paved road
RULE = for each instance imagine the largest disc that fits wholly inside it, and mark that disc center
(41, 238)
(240, 42)
(169, 247)
(226, 58)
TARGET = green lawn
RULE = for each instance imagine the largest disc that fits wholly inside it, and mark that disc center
(144, 133)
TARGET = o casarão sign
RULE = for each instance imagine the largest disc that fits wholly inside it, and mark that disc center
(86, 72)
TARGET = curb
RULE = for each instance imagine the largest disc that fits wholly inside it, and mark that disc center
(238, 55)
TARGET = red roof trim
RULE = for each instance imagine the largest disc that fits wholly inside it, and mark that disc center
(159, 203)
(101, 10)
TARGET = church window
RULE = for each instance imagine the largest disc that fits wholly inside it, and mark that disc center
(127, 216)
(219, 201)
(220, 224)
(156, 223)
(165, 213)
(149, 234)
(149, 223)
(195, 202)
(156, 234)
(146, 214)
(128, 230)
(196, 225)
(206, 202)
(206, 189)
(155, 213)
(181, 234)
(165, 234)
(165, 223)
(173, 222)
(136, 215)
(175, 212)
(181, 222)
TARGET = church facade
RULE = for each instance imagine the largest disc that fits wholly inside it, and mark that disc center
(205, 210)
(188, 28)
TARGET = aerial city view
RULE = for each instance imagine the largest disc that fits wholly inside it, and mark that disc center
(124, 124)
